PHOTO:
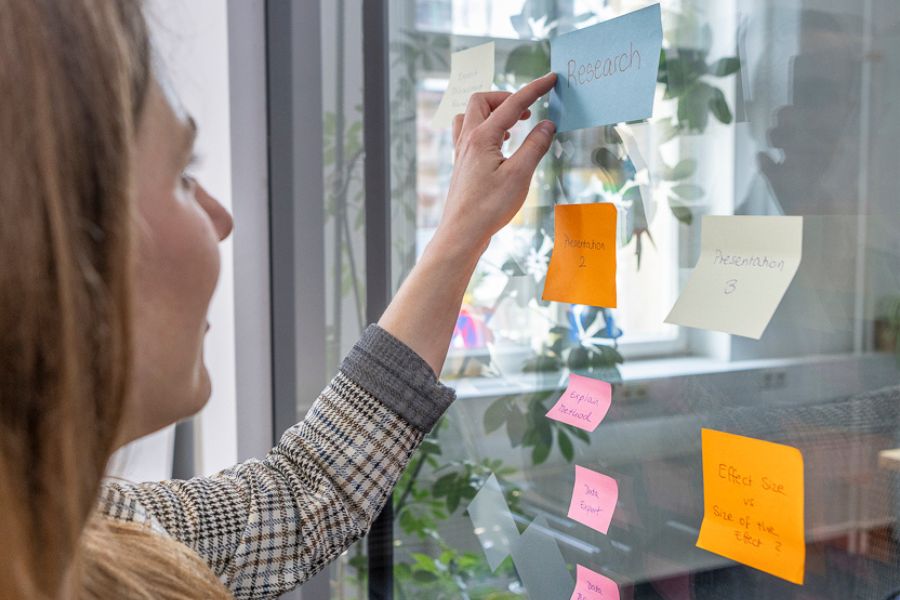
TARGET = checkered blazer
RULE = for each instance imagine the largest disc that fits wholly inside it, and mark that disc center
(266, 526)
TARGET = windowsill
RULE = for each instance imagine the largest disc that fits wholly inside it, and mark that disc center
(638, 372)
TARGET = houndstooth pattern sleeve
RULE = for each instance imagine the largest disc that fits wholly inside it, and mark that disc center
(267, 526)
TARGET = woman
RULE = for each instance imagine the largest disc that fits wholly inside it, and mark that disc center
(110, 261)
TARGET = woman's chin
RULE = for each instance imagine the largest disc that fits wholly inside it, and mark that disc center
(202, 391)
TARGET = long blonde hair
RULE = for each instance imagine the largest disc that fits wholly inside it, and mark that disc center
(73, 75)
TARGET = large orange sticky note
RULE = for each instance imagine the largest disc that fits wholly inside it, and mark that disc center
(753, 503)
(583, 266)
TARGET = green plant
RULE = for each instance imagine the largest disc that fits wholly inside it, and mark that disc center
(413, 52)
(888, 325)
(430, 492)
(526, 426)
(687, 76)
(435, 488)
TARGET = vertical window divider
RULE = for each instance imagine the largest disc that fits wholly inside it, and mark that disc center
(376, 115)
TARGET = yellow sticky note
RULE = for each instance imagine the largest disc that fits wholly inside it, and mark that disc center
(583, 266)
(753, 503)
(471, 71)
(746, 265)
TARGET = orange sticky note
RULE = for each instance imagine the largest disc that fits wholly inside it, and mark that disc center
(753, 503)
(583, 266)
(593, 586)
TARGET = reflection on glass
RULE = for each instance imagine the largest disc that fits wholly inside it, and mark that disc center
(761, 109)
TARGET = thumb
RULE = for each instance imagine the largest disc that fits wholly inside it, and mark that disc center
(533, 149)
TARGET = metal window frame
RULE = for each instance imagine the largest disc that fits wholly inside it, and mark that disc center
(293, 62)
(376, 115)
(293, 48)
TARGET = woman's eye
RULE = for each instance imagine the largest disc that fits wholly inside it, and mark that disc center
(188, 183)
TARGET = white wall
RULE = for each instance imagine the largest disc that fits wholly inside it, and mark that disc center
(191, 43)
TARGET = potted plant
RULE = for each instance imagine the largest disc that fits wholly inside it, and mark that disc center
(887, 325)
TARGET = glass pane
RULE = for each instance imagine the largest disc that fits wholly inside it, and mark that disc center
(763, 108)
(344, 223)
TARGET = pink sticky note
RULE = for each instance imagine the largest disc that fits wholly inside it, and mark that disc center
(594, 499)
(594, 586)
(584, 403)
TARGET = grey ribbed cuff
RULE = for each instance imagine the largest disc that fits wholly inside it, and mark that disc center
(398, 377)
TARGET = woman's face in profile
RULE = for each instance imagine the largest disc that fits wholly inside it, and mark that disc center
(179, 226)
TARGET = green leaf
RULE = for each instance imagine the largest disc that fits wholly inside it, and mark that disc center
(528, 61)
(608, 374)
(407, 521)
(512, 269)
(329, 123)
(683, 169)
(607, 356)
(496, 415)
(681, 211)
(681, 76)
(565, 445)
(423, 561)
(541, 364)
(361, 561)
(632, 194)
(542, 429)
(424, 577)
(581, 434)
(578, 358)
(453, 500)
(662, 76)
(666, 130)
(444, 485)
(693, 111)
(606, 159)
(516, 426)
(725, 66)
(540, 453)
(430, 446)
(719, 107)
(688, 191)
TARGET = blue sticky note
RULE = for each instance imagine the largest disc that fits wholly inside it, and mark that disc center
(606, 73)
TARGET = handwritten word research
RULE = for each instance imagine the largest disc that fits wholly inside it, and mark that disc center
(585, 73)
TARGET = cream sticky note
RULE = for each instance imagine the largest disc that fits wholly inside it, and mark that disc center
(593, 586)
(471, 71)
(753, 503)
(594, 498)
(583, 265)
(584, 403)
(746, 265)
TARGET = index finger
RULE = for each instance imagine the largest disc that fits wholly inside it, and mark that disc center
(480, 107)
(507, 114)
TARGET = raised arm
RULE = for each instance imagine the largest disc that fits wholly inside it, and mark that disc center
(266, 526)
(486, 191)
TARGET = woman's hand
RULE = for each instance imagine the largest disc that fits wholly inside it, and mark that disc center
(488, 189)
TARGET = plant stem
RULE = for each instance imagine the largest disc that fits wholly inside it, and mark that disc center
(412, 480)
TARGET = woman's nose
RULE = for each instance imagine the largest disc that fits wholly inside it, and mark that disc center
(220, 217)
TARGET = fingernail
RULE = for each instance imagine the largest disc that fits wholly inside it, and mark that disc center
(548, 75)
(548, 127)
